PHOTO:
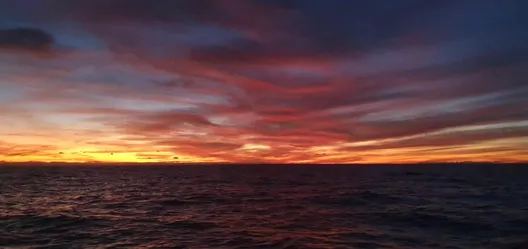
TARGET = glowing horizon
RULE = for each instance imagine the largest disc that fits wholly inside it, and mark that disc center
(262, 81)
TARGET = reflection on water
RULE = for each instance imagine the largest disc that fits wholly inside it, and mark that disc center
(264, 207)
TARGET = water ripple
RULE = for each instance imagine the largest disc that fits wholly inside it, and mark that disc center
(262, 207)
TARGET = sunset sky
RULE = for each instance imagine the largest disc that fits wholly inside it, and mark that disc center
(291, 81)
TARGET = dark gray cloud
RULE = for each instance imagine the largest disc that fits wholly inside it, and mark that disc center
(25, 38)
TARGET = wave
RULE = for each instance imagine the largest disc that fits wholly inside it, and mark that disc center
(193, 225)
(356, 198)
(296, 208)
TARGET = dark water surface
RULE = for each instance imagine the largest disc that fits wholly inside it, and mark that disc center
(264, 207)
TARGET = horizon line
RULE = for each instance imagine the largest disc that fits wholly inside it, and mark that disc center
(101, 164)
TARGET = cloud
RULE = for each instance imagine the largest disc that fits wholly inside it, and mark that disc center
(10, 150)
(274, 81)
(451, 137)
(25, 38)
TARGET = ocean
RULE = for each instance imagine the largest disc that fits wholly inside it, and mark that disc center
(266, 206)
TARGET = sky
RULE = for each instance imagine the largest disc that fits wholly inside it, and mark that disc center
(263, 81)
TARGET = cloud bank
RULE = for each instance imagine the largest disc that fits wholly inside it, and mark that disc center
(333, 81)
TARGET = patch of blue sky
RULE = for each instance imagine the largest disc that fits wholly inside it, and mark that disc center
(114, 73)
(168, 41)
(205, 35)
(397, 59)
(145, 105)
(72, 36)
(8, 93)
(390, 60)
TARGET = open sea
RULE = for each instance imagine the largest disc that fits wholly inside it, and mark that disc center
(275, 207)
